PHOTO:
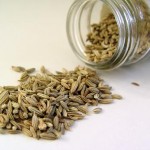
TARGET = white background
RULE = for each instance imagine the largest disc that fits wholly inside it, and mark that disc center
(32, 33)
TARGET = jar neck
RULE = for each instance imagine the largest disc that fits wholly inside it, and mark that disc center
(126, 17)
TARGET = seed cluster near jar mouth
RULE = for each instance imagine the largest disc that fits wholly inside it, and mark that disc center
(102, 40)
(45, 105)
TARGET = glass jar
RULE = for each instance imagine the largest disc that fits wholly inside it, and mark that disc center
(133, 21)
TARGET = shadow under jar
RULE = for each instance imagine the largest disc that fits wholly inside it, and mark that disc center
(132, 18)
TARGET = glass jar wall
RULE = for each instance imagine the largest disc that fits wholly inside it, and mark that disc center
(92, 40)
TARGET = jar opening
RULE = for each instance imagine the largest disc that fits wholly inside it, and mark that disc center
(85, 41)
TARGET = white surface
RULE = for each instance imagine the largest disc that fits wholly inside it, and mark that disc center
(32, 33)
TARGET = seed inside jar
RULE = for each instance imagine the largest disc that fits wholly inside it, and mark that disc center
(102, 41)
